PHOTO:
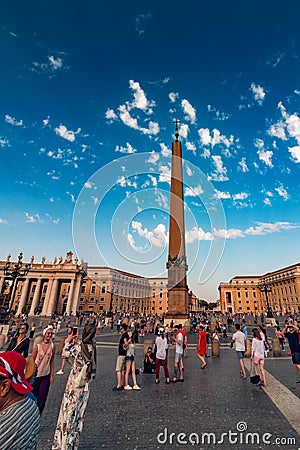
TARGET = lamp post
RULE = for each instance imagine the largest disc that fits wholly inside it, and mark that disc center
(14, 271)
(264, 288)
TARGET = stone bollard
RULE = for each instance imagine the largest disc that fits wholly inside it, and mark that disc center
(276, 347)
(215, 347)
(60, 346)
(248, 349)
(2, 340)
(148, 343)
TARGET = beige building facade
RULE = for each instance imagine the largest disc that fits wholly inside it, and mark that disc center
(278, 291)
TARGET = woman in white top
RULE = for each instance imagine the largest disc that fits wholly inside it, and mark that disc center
(129, 360)
(258, 354)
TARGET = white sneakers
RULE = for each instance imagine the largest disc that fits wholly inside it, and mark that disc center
(60, 372)
(129, 388)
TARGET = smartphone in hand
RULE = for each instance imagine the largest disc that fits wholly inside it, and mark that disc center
(75, 331)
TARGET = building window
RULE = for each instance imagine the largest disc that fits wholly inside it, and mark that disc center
(103, 290)
(33, 288)
(102, 299)
(92, 299)
(83, 289)
(239, 294)
(93, 291)
(82, 299)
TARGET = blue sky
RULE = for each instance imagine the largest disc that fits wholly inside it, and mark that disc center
(89, 93)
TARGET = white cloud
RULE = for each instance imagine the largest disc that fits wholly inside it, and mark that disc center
(231, 233)
(266, 157)
(197, 234)
(32, 218)
(221, 171)
(278, 130)
(95, 200)
(204, 134)
(153, 180)
(165, 151)
(153, 158)
(56, 63)
(240, 196)
(128, 149)
(165, 174)
(193, 191)
(64, 133)
(173, 96)
(267, 228)
(282, 192)
(139, 23)
(46, 121)
(140, 99)
(295, 152)
(126, 182)
(3, 221)
(4, 142)
(89, 185)
(190, 112)
(222, 195)
(111, 115)
(158, 237)
(12, 121)
(258, 93)
(183, 130)
(191, 146)
(243, 165)
(267, 201)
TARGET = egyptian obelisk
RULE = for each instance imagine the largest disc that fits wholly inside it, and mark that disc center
(177, 265)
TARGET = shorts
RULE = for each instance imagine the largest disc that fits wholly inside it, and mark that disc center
(120, 363)
(129, 358)
(240, 354)
(296, 357)
(178, 357)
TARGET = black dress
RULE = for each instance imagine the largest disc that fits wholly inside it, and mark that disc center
(22, 348)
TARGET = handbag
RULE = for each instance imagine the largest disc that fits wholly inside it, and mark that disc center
(80, 379)
(254, 377)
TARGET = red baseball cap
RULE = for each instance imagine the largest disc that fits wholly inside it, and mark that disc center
(12, 367)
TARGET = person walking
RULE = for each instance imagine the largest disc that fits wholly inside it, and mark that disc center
(122, 350)
(258, 354)
(201, 346)
(130, 364)
(240, 346)
(72, 410)
(43, 356)
(66, 351)
(291, 332)
(161, 344)
(20, 343)
(178, 342)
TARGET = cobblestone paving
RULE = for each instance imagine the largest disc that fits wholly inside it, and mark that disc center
(215, 400)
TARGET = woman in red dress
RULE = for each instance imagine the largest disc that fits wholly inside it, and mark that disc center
(202, 346)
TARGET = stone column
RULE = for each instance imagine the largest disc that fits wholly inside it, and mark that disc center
(76, 295)
(36, 297)
(70, 297)
(47, 297)
(23, 296)
(1, 283)
(53, 297)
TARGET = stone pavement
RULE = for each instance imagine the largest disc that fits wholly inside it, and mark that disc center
(214, 400)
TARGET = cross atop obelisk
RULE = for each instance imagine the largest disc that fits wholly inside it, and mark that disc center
(176, 265)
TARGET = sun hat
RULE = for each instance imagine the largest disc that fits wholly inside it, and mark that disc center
(49, 327)
(12, 367)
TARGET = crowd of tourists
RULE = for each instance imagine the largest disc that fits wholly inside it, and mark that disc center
(26, 377)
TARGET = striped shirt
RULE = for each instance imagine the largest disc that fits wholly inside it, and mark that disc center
(19, 426)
